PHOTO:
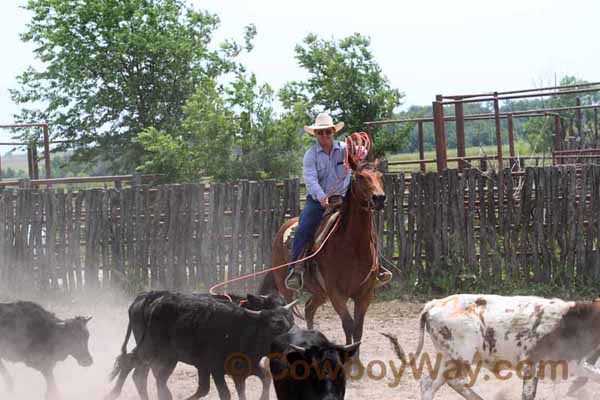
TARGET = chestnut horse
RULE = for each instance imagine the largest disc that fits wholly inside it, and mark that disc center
(346, 260)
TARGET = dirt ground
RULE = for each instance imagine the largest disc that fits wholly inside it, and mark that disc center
(400, 318)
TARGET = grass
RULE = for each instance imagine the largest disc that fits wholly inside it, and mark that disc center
(521, 149)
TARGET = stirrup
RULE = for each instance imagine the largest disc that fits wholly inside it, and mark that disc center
(383, 278)
(300, 274)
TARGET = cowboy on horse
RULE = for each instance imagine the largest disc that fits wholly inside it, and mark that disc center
(327, 179)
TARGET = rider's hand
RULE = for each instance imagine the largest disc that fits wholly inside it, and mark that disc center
(325, 202)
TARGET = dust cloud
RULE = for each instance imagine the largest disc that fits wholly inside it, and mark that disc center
(109, 323)
(107, 332)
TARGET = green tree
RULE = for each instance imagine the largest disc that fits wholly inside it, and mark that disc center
(10, 173)
(228, 133)
(345, 79)
(113, 69)
(539, 134)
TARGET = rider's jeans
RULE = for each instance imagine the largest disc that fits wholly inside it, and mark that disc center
(310, 218)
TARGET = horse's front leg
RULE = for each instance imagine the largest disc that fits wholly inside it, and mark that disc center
(361, 305)
(340, 304)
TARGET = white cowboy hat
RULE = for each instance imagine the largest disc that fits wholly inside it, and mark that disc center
(323, 121)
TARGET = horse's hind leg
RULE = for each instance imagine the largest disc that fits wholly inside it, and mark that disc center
(340, 304)
(10, 385)
(310, 309)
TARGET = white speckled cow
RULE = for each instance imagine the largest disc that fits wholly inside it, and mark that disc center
(522, 334)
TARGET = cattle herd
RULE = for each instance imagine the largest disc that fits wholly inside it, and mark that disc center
(257, 335)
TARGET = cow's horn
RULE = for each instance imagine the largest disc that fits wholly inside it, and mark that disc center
(298, 348)
(87, 319)
(292, 304)
(253, 313)
(350, 347)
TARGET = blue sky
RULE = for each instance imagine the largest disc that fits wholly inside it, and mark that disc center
(424, 47)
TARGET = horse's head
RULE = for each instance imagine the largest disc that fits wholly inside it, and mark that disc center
(367, 185)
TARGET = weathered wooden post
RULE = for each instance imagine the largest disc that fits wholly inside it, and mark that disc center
(511, 140)
(25, 183)
(460, 133)
(440, 135)
(557, 139)
(29, 162)
(579, 125)
(596, 125)
(421, 146)
(383, 166)
(498, 131)
(47, 152)
(35, 161)
(483, 164)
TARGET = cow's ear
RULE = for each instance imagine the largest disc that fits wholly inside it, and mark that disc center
(253, 300)
(348, 351)
(87, 319)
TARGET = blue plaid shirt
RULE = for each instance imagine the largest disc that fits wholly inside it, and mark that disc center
(323, 172)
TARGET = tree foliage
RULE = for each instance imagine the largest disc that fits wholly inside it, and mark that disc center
(227, 133)
(113, 69)
(12, 173)
(345, 79)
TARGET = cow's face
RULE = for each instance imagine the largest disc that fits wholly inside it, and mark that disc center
(327, 375)
(76, 339)
(279, 321)
(273, 322)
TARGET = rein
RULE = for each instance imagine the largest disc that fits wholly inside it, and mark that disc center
(355, 152)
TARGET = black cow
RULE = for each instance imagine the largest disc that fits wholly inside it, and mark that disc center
(200, 330)
(32, 335)
(305, 365)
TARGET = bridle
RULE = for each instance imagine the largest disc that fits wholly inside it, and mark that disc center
(360, 193)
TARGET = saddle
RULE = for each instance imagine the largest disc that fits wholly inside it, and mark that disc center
(331, 215)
